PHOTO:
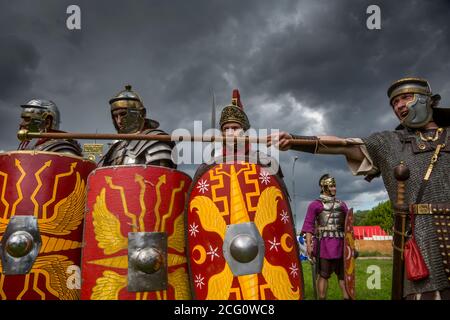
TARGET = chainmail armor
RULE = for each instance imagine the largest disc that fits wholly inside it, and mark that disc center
(387, 150)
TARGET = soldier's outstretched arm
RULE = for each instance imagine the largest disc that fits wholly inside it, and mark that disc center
(283, 141)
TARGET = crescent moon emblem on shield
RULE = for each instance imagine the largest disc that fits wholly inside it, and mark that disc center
(202, 252)
(349, 252)
(284, 244)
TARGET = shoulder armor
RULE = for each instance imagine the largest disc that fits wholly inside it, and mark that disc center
(61, 146)
(140, 152)
(137, 148)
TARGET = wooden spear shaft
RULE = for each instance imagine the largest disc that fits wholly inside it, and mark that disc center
(23, 135)
(401, 174)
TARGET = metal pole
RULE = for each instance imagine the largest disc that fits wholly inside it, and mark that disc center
(293, 193)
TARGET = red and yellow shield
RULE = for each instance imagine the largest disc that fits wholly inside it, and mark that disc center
(133, 199)
(349, 255)
(226, 197)
(50, 187)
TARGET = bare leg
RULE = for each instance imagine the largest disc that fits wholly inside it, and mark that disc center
(322, 287)
(344, 291)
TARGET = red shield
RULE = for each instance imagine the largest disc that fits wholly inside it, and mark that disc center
(132, 199)
(50, 187)
(229, 195)
(349, 255)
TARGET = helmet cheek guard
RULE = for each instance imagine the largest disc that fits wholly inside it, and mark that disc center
(36, 125)
(420, 111)
(133, 121)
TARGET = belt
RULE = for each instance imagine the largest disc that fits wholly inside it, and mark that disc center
(430, 208)
(331, 228)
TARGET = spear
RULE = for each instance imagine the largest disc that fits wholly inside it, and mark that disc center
(23, 135)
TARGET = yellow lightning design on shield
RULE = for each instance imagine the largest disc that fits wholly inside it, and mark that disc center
(5, 203)
(18, 186)
(108, 234)
(55, 188)
(67, 216)
(39, 185)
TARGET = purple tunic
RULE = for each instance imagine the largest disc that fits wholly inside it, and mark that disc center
(330, 247)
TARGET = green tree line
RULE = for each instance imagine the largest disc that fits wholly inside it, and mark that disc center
(381, 215)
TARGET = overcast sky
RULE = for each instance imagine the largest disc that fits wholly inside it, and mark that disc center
(307, 67)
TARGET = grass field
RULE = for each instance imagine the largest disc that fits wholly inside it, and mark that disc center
(363, 275)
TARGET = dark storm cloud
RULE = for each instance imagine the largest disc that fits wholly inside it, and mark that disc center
(309, 67)
(18, 63)
(332, 61)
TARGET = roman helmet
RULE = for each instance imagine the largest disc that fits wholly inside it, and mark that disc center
(235, 112)
(422, 108)
(134, 120)
(325, 182)
(38, 110)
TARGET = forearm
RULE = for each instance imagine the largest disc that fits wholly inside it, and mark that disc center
(351, 152)
(308, 239)
(310, 148)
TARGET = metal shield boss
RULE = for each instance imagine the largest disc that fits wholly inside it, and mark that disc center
(134, 234)
(349, 255)
(241, 240)
(42, 210)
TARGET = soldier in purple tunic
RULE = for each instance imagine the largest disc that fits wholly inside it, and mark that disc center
(325, 222)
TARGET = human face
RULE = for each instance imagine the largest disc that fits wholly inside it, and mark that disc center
(332, 190)
(232, 129)
(399, 103)
(119, 116)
